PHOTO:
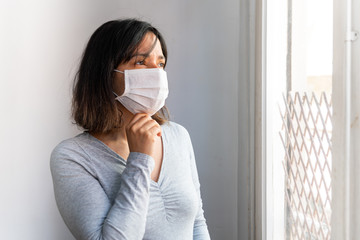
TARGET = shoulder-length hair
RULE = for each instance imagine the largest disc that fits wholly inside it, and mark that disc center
(94, 107)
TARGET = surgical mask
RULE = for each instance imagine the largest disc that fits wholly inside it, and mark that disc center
(145, 90)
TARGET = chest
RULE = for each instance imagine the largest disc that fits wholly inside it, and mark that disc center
(173, 197)
(158, 158)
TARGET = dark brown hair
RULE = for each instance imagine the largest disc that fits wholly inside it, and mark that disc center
(94, 107)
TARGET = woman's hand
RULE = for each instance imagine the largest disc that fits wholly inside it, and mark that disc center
(142, 132)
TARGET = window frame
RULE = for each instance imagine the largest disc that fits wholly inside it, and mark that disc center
(345, 167)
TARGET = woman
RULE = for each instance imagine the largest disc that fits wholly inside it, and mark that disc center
(131, 174)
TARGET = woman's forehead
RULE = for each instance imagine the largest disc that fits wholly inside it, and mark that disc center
(149, 44)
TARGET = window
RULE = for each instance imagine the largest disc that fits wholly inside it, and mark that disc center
(298, 109)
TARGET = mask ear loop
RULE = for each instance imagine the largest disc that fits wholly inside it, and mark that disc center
(115, 70)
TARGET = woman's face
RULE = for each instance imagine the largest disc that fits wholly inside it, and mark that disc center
(148, 55)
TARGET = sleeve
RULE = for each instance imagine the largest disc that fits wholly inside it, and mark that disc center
(85, 207)
(200, 227)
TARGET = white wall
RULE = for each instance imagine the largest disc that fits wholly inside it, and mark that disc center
(40, 46)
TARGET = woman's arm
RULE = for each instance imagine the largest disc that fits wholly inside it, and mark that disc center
(86, 208)
(81, 199)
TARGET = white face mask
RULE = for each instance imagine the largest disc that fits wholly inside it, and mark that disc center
(145, 90)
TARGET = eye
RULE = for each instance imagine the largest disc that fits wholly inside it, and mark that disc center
(162, 64)
(140, 62)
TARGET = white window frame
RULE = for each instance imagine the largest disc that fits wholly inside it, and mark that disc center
(346, 133)
(345, 221)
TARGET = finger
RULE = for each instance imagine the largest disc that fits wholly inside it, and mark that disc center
(137, 117)
(138, 122)
(155, 130)
(149, 124)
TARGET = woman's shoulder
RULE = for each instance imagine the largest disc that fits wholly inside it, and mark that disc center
(70, 143)
(175, 128)
(176, 133)
(71, 148)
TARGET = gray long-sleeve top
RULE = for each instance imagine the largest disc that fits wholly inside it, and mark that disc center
(102, 196)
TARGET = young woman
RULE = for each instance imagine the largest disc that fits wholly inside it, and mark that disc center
(131, 174)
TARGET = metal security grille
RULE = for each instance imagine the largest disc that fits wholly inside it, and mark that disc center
(306, 137)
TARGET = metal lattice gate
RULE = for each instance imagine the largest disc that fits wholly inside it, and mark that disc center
(306, 137)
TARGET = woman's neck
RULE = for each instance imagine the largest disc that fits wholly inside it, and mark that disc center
(116, 139)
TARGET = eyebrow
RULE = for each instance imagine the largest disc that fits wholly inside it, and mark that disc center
(145, 55)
